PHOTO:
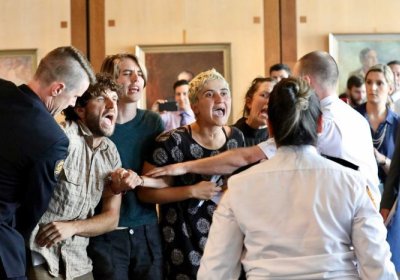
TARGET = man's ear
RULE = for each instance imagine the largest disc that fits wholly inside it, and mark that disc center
(57, 88)
(307, 79)
(320, 123)
(270, 130)
(80, 111)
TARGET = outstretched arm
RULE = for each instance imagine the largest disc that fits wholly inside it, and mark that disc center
(201, 190)
(224, 163)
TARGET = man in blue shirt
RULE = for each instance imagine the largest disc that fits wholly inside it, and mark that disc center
(33, 148)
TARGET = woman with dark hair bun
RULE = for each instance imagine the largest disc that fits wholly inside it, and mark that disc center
(297, 215)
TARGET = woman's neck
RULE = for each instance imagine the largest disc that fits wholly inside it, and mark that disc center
(211, 137)
(376, 114)
(126, 112)
(254, 123)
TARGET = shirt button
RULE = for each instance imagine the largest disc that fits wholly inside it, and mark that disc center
(131, 231)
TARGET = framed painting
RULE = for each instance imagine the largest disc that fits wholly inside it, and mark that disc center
(165, 62)
(17, 66)
(356, 52)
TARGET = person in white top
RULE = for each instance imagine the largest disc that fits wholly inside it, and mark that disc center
(298, 215)
(345, 133)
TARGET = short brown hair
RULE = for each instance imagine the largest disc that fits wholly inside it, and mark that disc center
(66, 64)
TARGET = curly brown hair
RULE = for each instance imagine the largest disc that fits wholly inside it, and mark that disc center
(104, 82)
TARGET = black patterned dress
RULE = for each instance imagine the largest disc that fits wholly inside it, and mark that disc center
(185, 224)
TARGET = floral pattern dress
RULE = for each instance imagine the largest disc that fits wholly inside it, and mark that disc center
(185, 224)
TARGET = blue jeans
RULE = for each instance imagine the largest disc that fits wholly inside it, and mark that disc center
(133, 253)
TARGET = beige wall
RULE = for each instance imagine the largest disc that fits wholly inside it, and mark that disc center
(205, 21)
(343, 16)
(26, 24)
(34, 24)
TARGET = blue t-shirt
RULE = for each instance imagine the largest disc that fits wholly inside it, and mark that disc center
(134, 141)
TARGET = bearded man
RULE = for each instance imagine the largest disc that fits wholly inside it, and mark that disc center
(91, 171)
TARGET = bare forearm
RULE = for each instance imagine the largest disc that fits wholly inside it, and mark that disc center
(154, 182)
(226, 162)
(165, 195)
(96, 225)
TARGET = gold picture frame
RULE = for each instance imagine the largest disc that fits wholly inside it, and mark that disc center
(346, 48)
(18, 66)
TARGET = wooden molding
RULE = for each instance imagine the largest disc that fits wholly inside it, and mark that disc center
(97, 40)
(78, 25)
(88, 29)
(280, 34)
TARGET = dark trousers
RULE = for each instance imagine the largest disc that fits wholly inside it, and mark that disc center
(133, 253)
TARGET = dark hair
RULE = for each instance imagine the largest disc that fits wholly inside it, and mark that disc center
(321, 66)
(255, 84)
(278, 67)
(293, 112)
(66, 64)
(393, 62)
(355, 81)
(179, 83)
(104, 82)
(111, 63)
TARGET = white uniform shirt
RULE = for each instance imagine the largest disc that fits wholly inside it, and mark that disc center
(296, 217)
(346, 135)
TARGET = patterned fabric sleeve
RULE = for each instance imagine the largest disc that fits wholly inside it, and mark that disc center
(167, 148)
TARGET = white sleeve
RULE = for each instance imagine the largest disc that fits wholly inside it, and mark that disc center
(221, 258)
(330, 139)
(369, 241)
(268, 147)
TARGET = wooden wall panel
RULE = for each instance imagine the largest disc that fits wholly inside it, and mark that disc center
(280, 36)
(78, 25)
(288, 32)
(272, 34)
(88, 29)
(96, 33)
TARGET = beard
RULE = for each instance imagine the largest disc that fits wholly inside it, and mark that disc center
(355, 101)
(94, 124)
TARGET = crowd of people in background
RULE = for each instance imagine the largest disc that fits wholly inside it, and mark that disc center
(303, 186)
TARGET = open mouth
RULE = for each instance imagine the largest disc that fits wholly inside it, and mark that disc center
(219, 112)
(133, 89)
(264, 113)
(108, 119)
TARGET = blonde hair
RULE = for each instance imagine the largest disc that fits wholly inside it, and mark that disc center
(198, 82)
(389, 77)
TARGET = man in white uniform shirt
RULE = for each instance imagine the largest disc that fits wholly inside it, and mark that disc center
(345, 134)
